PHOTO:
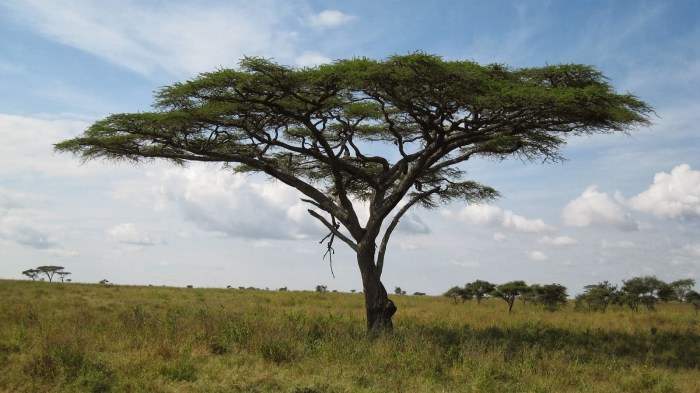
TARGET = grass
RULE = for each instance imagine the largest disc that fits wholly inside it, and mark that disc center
(95, 338)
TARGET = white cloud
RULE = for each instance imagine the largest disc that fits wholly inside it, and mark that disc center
(491, 215)
(596, 208)
(27, 145)
(26, 232)
(467, 264)
(412, 224)
(616, 244)
(693, 248)
(330, 19)
(304, 251)
(10, 199)
(537, 256)
(499, 237)
(183, 38)
(62, 252)
(479, 214)
(129, 233)
(522, 224)
(263, 244)
(21, 224)
(311, 59)
(558, 240)
(235, 205)
(407, 246)
(672, 196)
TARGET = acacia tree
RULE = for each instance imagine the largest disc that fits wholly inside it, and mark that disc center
(682, 287)
(510, 291)
(456, 293)
(596, 297)
(49, 271)
(641, 290)
(551, 296)
(63, 274)
(480, 289)
(390, 133)
(31, 273)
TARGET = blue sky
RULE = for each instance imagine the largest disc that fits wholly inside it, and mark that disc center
(621, 206)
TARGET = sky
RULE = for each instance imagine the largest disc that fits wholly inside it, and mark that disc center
(621, 206)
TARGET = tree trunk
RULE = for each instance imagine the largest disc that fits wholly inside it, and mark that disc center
(379, 308)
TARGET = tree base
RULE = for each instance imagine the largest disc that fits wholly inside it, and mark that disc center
(379, 319)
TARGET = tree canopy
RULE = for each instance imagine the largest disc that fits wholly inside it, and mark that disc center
(480, 289)
(510, 291)
(49, 271)
(393, 133)
(31, 273)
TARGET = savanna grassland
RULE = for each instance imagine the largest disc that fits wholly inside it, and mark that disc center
(99, 338)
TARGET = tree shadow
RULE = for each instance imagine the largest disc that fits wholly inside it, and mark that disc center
(661, 348)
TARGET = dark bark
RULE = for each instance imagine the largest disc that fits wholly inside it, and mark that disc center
(380, 309)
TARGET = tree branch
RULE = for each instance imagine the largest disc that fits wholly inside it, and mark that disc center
(395, 222)
(333, 230)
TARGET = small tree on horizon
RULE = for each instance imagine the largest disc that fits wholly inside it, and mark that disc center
(394, 134)
(682, 287)
(480, 289)
(640, 290)
(31, 273)
(596, 297)
(63, 275)
(551, 296)
(456, 293)
(510, 291)
(49, 271)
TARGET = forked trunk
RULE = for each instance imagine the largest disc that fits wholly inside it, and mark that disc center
(380, 309)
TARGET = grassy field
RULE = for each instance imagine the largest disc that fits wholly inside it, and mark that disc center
(79, 338)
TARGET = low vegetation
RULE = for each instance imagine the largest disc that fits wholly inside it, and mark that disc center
(99, 338)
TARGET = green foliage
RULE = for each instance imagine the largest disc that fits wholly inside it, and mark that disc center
(63, 274)
(551, 296)
(31, 273)
(510, 291)
(480, 289)
(265, 108)
(49, 271)
(692, 296)
(596, 297)
(457, 293)
(641, 290)
(682, 287)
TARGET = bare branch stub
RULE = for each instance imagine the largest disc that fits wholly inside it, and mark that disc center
(331, 237)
